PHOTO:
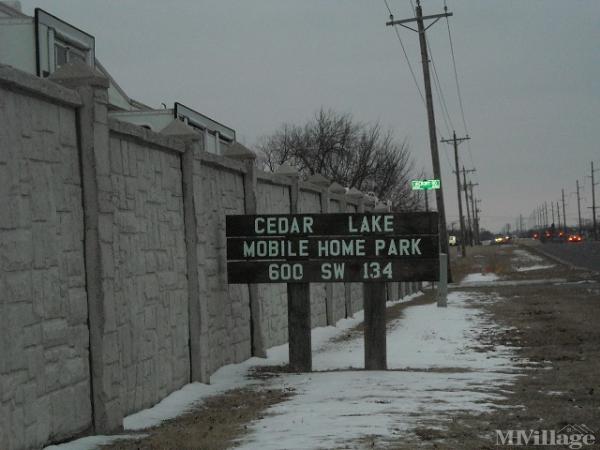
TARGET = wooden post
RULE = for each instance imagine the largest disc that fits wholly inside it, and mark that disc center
(299, 327)
(299, 338)
(375, 296)
(375, 332)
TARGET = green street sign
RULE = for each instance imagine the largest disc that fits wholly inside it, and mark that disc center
(423, 185)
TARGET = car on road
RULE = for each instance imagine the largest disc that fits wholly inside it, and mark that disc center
(498, 240)
(573, 238)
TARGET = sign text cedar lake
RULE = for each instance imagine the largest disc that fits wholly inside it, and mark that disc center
(331, 247)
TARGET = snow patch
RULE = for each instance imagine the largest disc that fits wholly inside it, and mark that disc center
(479, 278)
(536, 267)
(438, 367)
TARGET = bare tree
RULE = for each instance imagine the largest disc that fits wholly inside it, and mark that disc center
(353, 154)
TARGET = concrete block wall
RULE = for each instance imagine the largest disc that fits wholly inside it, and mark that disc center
(310, 202)
(229, 337)
(273, 197)
(338, 291)
(113, 289)
(44, 360)
(355, 290)
(144, 269)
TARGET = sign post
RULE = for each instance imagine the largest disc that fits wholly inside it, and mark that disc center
(297, 249)
(375, 332)
(298, 302)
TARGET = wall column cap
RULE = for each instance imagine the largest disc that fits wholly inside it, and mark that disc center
(337, 188)
(239, 152)
(177, 128)
(79, 74)
(288, 171)
(319, 180)
(355, 194)
(381, 207)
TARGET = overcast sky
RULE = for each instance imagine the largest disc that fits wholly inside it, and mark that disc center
(529, 73)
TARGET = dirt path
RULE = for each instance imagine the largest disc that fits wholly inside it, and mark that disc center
(555, 326)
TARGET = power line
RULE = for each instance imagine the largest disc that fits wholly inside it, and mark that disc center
(440, 93)
(412, 72)
(458, 92)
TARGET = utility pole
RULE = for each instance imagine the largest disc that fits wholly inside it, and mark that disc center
(477, 211)
(552, 206)
(545, 214)
(463, 235)
(469, 228)
(594, 201)
(520, 225)
(564, 213)
(558, 212)
(474, 210)
(435, 157)
(578, 206)
(469, 210)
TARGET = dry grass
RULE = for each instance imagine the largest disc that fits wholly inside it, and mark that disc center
(215, 425)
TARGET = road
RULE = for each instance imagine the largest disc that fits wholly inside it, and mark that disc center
(581, 254)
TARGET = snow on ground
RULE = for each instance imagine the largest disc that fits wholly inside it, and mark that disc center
(437, 367)
(224, 379)
(535, 267)
(479, 278)
(330, 409)
(524, 256)
(524, 261)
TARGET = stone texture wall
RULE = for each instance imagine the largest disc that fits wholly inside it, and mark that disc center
(310, 202)
(229, 339)
(144, 271)
(356, 289)
(273, 198)
(44, 360)
(99, 221)
(338, 290)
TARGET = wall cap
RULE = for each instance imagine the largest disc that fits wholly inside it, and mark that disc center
(319, 180)
(79, 74)
(176, 128)
(146, 136)
(240, 152)
(15, 79)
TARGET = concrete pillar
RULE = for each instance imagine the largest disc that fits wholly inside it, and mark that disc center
(239, 152)
(357, 197)
(324, 183)
(106, 370)
(197, 303)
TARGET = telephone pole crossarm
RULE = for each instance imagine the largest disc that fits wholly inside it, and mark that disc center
(437, 17)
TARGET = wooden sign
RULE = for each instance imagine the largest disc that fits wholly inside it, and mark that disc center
(355, 247)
